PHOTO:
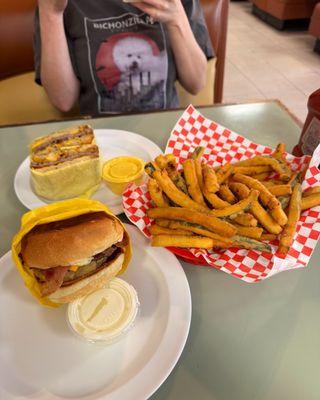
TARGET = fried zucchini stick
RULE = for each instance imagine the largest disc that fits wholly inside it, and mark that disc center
(165, 223)
(226, 194)
(268, 236)
(248, 243)
(198, 242)
(174, 194)
(239, 189)
(161, 161)
(209, 179)
(175, 175)
(257, 210)
(192, 181)
(199, 230)
(280, 190)
(214, 200)
(249, 231)
(311, 191)
(258, 169)
(150, 168)
(242, 205)
(245, 219)
(268, 199)
(156, 193)
(185, 214)
(197, 152)
(279, 155)
(160, 230)
(224, 172)
(310, 201)
(289, 230)
(261, 177)
(261, 160)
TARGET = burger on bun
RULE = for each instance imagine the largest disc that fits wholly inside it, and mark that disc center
(73, 257)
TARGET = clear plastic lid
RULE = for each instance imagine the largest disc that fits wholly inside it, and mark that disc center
(106, 314)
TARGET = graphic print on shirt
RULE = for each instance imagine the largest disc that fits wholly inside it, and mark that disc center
(128, 62)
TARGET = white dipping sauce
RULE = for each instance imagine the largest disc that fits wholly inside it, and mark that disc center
(106, 314)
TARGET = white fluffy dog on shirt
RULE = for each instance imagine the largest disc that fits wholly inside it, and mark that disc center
(134, 58)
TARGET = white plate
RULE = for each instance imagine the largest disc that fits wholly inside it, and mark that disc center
(112, 143)
(41, 359)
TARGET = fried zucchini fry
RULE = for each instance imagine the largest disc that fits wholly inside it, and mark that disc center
(185, 214)
(288, 232)
(224, 172)
(265, 219)
(209, 179)
(248, 243)
(239, 189)
(311, 191)
(175, 175)
(280, 190)
(156, 193)
(199, 230)
(249, 231)
(165, 223)
(226, 194)
(174, 194)
(192, 181)
(245, 219)
(197, 152)
(257, 210)
(284, 201)
(241, 206)
(150, 168)
(160, 230)
(161, 161)
(262, 160)
(310, 201)
(268, 236)
(254, 170)
(198, 242)
(261, 177)
(214, 200)
(279, 155)
(268, 199)
(198, 168)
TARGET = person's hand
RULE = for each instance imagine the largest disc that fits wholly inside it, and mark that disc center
(169, 12)
(53, 6)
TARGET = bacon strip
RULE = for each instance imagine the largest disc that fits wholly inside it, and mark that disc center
(53, 280)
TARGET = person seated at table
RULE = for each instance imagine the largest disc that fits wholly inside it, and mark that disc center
(112, 56)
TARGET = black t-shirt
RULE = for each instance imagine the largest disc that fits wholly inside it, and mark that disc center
(121, 56)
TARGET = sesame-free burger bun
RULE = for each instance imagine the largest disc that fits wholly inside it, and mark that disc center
(71, 242)
(87, 285)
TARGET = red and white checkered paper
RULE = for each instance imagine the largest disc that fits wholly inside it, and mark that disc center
(222, 145)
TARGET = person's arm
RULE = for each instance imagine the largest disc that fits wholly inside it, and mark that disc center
(190, 60)
(57, 74)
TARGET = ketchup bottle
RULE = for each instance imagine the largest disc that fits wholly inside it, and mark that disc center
(310, 136)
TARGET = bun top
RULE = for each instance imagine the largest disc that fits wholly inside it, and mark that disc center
(69, 242)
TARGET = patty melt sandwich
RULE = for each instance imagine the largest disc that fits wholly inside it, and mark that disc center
(65, 164)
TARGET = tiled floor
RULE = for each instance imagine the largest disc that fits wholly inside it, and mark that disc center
(263, 63)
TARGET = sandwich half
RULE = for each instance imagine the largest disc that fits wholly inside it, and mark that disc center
(65, 164)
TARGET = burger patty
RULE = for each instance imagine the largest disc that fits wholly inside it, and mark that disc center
(52, 279)
(99, 262)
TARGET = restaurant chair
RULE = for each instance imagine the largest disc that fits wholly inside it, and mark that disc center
(21, 99)
(216, 16)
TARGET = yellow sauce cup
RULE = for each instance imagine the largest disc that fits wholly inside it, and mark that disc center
(120, 171)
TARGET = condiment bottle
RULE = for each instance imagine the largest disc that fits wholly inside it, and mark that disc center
(310, 136)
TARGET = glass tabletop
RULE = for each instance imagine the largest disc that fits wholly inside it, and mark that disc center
(247, 341)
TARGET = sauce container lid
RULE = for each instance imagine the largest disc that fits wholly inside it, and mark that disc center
(106, 314)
